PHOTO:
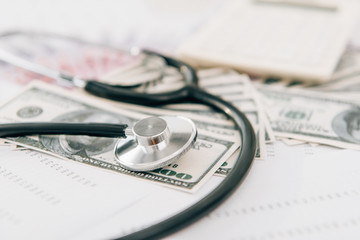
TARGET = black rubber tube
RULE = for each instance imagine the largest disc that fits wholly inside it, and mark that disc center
(125, 95)
(53, 128)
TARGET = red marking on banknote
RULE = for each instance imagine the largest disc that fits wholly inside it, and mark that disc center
(91, 63)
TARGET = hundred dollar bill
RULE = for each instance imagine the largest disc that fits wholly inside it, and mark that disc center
(218, 81)
(231, 86)
(41, 102)
(314, 118)
(217, 126)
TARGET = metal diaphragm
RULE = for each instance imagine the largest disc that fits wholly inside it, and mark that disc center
(157, 142)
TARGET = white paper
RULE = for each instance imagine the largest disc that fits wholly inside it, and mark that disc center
(43, 197)
(299, 192)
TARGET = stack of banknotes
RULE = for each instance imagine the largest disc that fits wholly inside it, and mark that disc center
(326, 113)
(278, 109)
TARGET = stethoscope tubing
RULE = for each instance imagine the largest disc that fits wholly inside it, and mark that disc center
(191, 93)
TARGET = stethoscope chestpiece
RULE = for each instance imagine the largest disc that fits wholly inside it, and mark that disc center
(155, 142)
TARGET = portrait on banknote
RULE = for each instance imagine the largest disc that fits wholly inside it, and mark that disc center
(84, 146)
(347, 125)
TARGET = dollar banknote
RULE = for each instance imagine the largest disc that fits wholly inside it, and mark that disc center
(343, 86)
(40, 102)
(317, 118)
(231, 86)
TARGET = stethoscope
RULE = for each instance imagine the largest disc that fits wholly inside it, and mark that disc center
(156, 141)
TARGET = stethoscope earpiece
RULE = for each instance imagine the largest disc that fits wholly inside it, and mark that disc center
(155, 142)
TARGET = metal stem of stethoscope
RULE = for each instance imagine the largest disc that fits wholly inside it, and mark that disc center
(12, 59)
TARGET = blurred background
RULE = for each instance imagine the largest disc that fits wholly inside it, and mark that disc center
(156, 24)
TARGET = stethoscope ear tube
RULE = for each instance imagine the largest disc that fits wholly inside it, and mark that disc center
(225, 188)
(119, 93)
(112, 92)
